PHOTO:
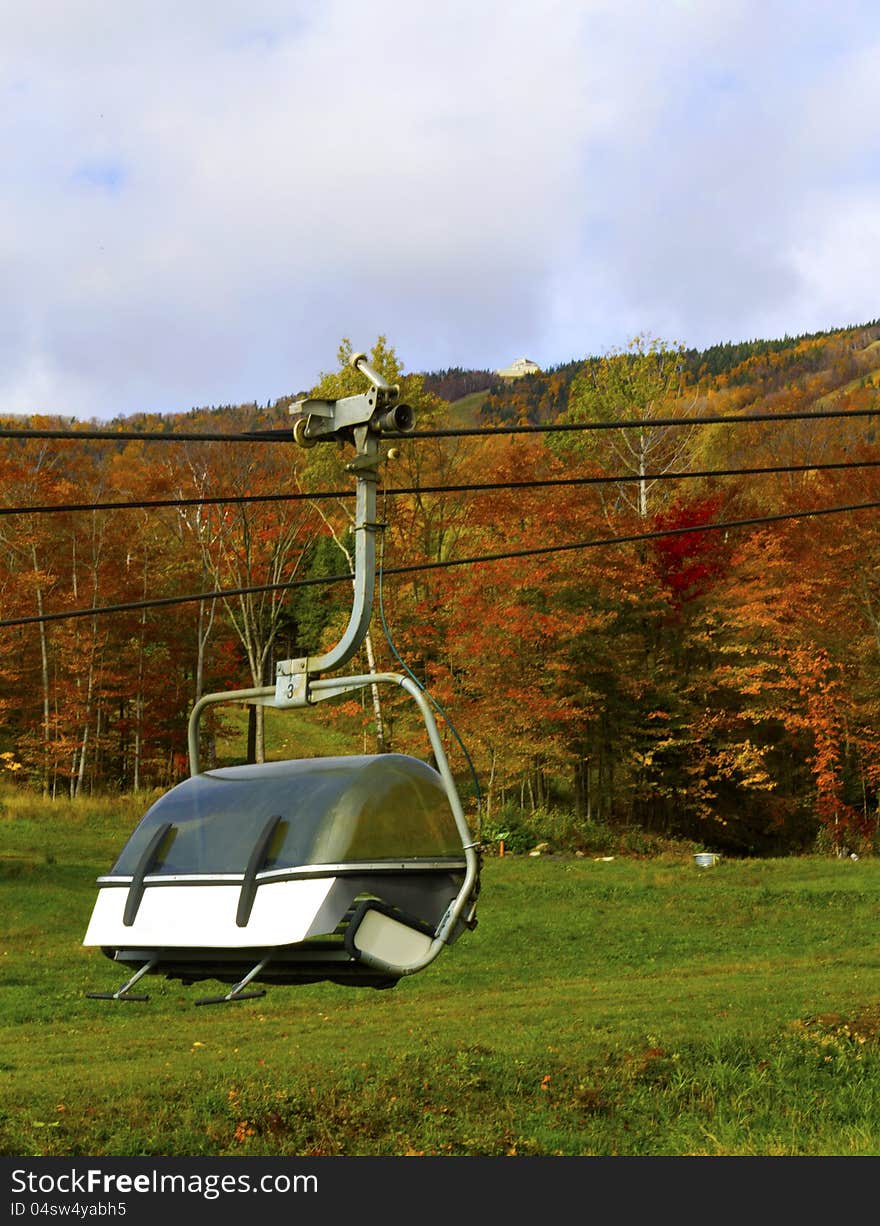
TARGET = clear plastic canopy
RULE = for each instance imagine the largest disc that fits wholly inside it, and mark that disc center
(340, 810)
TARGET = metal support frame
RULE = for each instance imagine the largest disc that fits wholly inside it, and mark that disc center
(237, 992)
(123, 992)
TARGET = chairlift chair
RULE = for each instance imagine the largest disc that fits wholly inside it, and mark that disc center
(357, 870)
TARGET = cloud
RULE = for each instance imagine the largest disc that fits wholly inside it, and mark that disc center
(196, 205)
(744, 155)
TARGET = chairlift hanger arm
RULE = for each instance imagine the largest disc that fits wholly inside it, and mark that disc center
(387, 937)
(360, 420)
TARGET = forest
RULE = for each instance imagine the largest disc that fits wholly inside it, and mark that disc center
(670, 625)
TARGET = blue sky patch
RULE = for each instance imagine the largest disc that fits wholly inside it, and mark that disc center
(107, 175)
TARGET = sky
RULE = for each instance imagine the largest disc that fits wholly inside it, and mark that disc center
(199, 200)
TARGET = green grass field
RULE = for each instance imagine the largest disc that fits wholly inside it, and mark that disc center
(622, 1007)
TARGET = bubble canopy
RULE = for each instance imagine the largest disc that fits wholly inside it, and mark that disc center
(358, 870)
(332, 811)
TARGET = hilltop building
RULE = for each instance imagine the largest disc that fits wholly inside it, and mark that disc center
(516, 370)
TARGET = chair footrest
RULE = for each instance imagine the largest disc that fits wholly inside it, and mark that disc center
(225, 1000)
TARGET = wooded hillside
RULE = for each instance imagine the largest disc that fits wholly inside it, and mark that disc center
(718, 683)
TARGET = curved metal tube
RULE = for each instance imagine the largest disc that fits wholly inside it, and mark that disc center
(453, 914)
(364, 578)
(192, 733)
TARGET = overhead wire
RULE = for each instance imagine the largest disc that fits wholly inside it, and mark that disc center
(535, 551)
(654, 423)
(149, 503)
(149, 436)
(452, 488)
(285, 434)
